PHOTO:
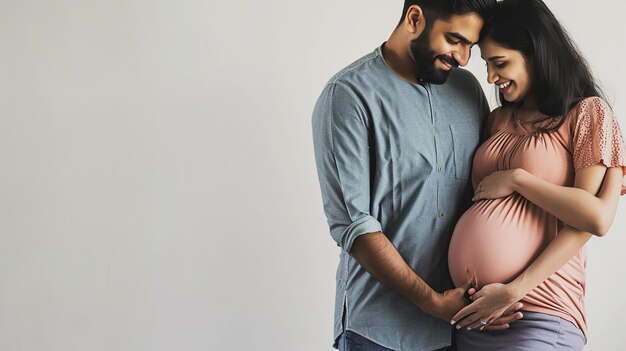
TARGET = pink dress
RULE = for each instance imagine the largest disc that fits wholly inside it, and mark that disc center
(495, 240)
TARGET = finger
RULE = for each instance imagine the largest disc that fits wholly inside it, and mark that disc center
(472, 291)
(508, 319)
(467, 297)
(470, 322)
(510, 315)
(477, 324)
(489, 321)
(481, 195)
(464, 312)
(513, 308)
(478, 294)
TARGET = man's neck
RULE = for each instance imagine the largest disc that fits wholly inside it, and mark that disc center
(396, 54)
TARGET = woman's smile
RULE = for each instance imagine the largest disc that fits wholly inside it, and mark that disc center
(505, 87)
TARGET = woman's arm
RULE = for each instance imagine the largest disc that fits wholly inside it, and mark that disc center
(575, 206)
(493, 299)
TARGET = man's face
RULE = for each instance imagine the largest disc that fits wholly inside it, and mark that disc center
(444, 45)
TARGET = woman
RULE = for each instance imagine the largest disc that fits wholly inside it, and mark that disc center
(554, 161)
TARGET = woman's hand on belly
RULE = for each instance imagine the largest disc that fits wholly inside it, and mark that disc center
(497, 185)
(489, 304)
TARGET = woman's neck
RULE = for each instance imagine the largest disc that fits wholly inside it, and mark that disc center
(528, 104)
(528, 110)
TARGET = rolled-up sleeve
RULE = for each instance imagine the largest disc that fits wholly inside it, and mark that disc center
(342, 154)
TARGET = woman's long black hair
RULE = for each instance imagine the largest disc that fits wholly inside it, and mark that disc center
(560, 75)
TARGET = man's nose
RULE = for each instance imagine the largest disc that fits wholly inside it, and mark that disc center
(463, 56)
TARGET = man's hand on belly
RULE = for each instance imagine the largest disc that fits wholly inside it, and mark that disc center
(447, 304)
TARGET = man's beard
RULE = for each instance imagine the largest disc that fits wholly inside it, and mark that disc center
(424, 58)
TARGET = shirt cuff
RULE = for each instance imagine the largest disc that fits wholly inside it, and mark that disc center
(365, 225)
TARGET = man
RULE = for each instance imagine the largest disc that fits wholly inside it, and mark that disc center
(394, 135)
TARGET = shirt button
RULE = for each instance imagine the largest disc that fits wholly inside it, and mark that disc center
(439, 169)
(441, 215)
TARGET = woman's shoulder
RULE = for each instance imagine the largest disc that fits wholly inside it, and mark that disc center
(588, 111)
(592, 105)
(596, 135)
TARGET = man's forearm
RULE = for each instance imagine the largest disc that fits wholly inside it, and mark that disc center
(383, 261)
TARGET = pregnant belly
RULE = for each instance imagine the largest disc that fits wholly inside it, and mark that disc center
(495, 240)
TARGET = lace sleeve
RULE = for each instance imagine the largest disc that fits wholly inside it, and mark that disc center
(597, 138)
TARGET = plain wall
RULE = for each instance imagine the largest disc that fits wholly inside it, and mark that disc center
(157, 181)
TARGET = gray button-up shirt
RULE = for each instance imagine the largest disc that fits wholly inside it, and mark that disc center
(395, 157)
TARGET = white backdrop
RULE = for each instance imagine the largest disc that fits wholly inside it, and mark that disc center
(157, 184)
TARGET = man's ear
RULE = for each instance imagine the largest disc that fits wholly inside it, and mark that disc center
(414, 22)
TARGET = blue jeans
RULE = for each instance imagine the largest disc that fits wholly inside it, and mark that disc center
(350, 341)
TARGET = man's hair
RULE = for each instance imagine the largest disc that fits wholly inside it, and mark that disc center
(444, 9)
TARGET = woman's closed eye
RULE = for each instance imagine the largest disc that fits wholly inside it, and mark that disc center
(498, 64)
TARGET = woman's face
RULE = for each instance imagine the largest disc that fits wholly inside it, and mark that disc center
(507, 69)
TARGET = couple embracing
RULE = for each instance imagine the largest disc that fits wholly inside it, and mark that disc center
(460, 227)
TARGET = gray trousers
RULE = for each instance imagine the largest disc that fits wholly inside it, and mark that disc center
(534, 332)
